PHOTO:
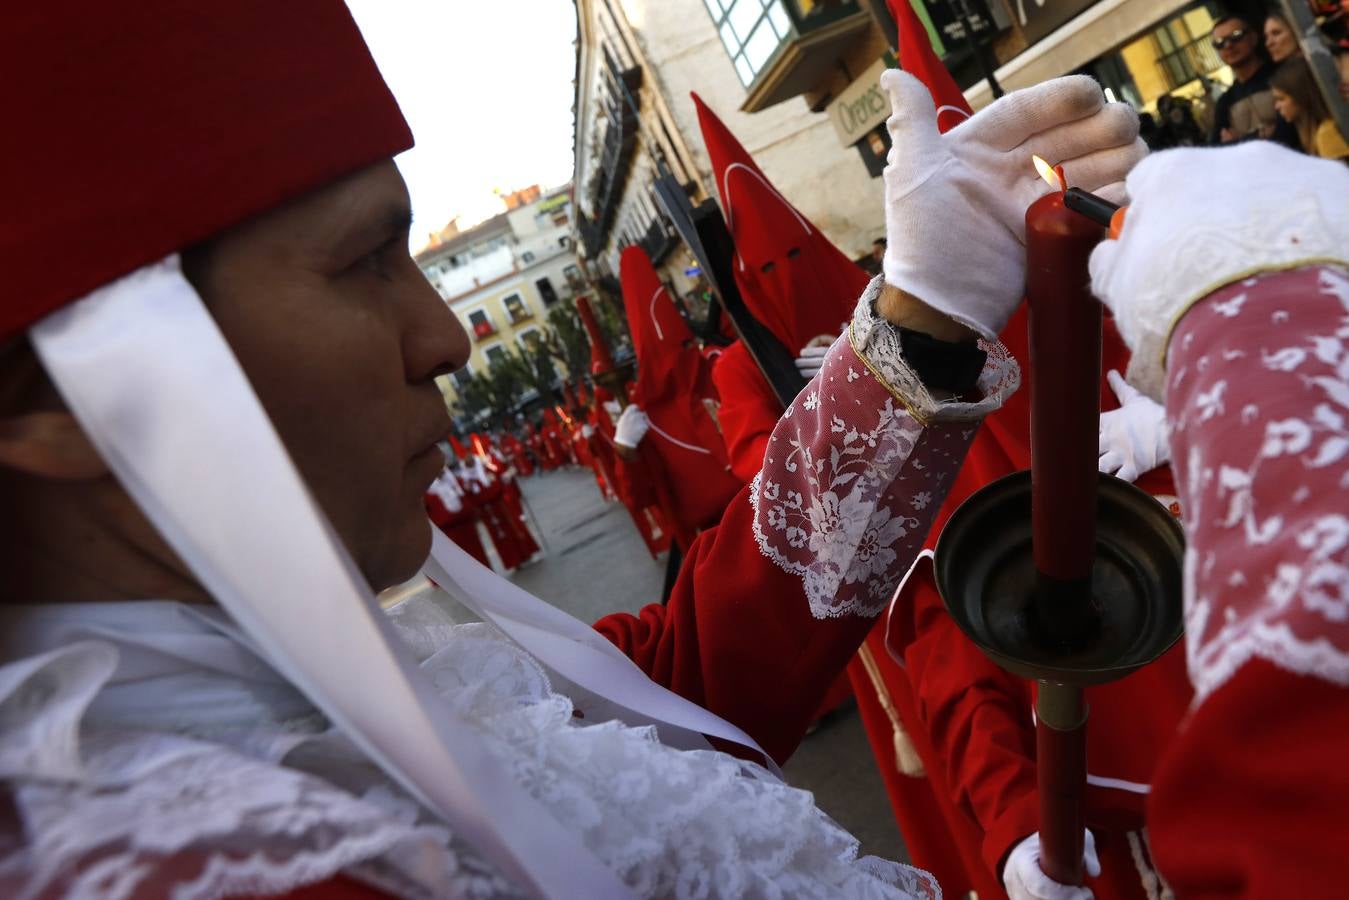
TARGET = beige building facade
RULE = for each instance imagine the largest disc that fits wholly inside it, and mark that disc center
(502, 276)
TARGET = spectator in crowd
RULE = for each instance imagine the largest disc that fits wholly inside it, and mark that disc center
(1150, 132)
(1280, 40)
(1246, 110)
(1178, 125)
(1300, 104)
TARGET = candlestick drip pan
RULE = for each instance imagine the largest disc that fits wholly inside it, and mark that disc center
(987, 578)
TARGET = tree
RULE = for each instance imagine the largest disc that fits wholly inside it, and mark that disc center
(492, 395)
(565, 341)
(568, 343)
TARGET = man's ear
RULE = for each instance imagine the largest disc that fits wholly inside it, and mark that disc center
(49, 444)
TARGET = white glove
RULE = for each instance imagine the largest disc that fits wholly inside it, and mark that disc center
(1025, 880)
(587, 431)
(811, 361)
(955, 203)
(1200, 219)
(631, 427)
(1133, 437)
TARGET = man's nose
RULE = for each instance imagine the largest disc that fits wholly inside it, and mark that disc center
(436, 342)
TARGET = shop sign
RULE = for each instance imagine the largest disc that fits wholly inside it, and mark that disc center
(861, 107)
(1038, 18)
(554, 202)
(946, 18)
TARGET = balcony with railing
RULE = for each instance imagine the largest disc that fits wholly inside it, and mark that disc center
(617, 148)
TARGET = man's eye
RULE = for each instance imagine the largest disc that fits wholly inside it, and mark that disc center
(378, 261)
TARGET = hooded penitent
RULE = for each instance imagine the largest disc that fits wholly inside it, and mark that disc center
(793, 279)
(673, 382)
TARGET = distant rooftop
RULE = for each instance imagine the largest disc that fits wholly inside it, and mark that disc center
(450, 238)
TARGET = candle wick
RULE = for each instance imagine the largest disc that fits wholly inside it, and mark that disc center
(1063, 179)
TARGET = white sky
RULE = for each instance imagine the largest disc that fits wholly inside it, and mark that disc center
(487, 87)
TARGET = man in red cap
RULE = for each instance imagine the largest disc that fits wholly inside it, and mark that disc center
(217, 425)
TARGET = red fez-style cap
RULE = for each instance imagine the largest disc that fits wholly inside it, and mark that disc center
(133, 130)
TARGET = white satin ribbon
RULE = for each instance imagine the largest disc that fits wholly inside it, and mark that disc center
(579, 653)
(143, 367)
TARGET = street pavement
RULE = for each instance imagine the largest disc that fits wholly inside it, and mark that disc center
(594, 563)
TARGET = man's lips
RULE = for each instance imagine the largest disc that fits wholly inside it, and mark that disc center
(432, 435)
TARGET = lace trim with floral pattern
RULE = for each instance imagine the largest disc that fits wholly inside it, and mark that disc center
(851, 479)
(1258, 396)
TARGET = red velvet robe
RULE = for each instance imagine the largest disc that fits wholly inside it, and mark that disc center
(515, 451)
(737, 582)
(749, 409)
(513, 542)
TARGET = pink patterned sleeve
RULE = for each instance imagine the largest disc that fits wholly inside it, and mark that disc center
(1258, 399)
(858, 466)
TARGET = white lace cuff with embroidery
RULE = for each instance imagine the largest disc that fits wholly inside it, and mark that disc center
(852, 478)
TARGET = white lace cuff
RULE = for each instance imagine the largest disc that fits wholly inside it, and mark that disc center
(858, 466)
(876, 343)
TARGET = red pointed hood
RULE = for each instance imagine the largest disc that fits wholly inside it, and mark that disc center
(917, 57)
(660, 336)
(794, 280)
(673, 382)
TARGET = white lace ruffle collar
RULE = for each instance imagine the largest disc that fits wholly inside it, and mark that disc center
(114, 796)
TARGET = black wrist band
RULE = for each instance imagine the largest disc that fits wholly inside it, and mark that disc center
(942, 365)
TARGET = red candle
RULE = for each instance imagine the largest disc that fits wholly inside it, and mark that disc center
(1065, 356)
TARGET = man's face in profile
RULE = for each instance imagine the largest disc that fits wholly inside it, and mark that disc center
(342, 337)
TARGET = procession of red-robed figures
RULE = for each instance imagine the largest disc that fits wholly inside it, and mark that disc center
(954, 734)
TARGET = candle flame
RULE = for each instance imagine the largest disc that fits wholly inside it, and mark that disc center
(480, 450)
(1047, 173)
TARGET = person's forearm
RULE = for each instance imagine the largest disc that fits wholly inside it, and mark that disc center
(1258, 398)
(906, 311)
(772, 604)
